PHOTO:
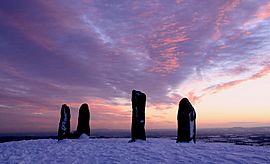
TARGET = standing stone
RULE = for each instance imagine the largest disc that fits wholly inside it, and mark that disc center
(83, 121)
(64, 124)
(138, 116)
(186, 122)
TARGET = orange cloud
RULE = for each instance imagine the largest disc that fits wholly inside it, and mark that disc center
(167, 60)
(176, 39)
(170, 25)
(168, 64)
(264, 13)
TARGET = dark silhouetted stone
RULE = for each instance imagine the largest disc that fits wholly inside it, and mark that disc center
(186, 122)
(64, 124)
(83, 121)
(138, 115)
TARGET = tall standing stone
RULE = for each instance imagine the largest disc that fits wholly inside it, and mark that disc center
(186, 122)
(138, 115)
(83, 121)
(64, 124)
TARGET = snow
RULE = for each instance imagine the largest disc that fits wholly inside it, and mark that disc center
(191, 124)
(154, 150)
(63, 125)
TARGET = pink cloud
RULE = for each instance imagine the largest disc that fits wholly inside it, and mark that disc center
(264, 13)
(223, 86)
(176, 39)
(222, 18)
(167, 59)
(169, 64)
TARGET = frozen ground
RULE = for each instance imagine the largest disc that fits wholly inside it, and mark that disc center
(119, 151)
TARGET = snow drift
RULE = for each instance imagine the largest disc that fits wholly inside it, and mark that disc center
(154, 150)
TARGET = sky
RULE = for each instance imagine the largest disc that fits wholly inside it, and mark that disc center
(214, 52)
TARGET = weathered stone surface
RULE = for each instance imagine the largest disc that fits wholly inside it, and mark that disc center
(186, 122)
(64, 124)
(138, 115)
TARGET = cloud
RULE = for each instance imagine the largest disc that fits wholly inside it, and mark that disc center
(264, 13)
(222, 18)
(223, 86)
(72, 52)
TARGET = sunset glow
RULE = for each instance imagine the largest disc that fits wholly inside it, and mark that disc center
(214, 52)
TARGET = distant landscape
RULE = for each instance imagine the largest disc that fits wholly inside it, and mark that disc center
(255, 136)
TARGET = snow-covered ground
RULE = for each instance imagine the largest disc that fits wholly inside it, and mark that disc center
(120, 151)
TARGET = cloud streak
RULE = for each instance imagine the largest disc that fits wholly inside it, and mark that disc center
(223, 86)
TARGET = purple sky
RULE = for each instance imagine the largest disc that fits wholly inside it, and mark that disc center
(76, 51)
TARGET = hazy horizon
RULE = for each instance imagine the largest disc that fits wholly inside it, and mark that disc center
(128, 131)
(215, 53)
